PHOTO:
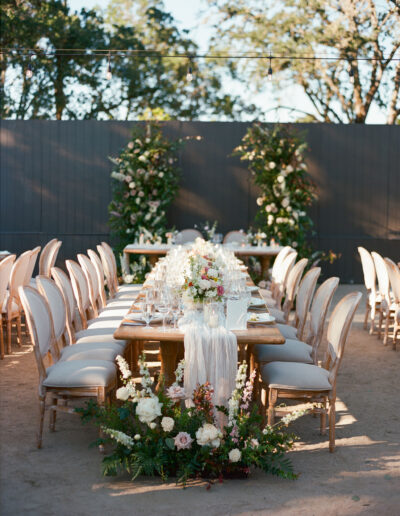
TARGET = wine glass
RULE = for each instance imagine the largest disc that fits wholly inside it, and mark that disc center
(148, 312)
(163, 306)
(175, 307)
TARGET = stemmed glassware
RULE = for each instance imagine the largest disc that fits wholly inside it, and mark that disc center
(162, 303)
(148, 311)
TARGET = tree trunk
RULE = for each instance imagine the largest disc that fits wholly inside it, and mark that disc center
(59, 89)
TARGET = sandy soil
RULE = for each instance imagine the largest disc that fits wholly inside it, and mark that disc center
(361, 477)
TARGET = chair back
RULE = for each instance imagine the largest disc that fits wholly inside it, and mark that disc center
(338, 330)
(80, 288)
(319, 310)
(235, 236)
(394, 278)
(31, 265)
(383, 276)
(113, 261)
(92, 281)
(5, 272)
(292, 284)
(279, 260)
(17, 277)
(368, 268)
(44, 257)
(187, 235)
(282, 276)
(304, 296)
(64, 284)
(94, 257)
(108, 270)
(40, 325)
(55, 299)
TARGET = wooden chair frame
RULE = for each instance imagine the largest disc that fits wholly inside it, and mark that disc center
(5, 272)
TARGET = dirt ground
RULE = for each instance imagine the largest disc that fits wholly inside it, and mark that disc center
(361, 477)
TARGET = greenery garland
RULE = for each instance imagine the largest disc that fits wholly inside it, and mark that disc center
(276, 161)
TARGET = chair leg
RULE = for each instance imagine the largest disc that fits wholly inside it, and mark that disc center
(1, 340)
(395, 330)
(332, 421)
(373, 313)
(101, 398)
(380, 324)
(322, 428)
(9, 336)
(272, 397)
(367, 310)
(42, 408)
(386, 333)
(53, 415)
(19, 333)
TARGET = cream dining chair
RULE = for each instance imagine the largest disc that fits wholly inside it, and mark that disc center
(386, 307)
(185, 236)
(394, 278)
(125, 291)
(273, 297)
(64, 380)
(308, 382)
(373, 299)
(48, 257)
(238, 237)
(277, 265)
(5, 272)
(31, 265)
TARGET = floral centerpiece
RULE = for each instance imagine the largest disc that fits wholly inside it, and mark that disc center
(203, 278)
(155, 434)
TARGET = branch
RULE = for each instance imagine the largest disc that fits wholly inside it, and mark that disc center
(394, 107)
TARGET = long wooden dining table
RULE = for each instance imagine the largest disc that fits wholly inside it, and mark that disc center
(171, 341)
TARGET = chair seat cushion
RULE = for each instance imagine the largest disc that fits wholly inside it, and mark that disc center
(291, 351)
(295, 376)
(113, 313)
(278, 314)
(118, 304)
(81, 373)
(98, 336)
(108, 323)
(129, 288)
(90, 351)
(289, 332)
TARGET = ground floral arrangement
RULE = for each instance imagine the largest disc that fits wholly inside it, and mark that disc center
(156, 434)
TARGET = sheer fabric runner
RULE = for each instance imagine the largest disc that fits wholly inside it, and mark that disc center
(210, 355)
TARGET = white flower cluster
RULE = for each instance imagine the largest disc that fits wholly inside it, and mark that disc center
(120, 437)
(148, 409)
(146, 380)
(234, 401)
(123, 367)
(208, 435)
(235, 455)
(292, 416)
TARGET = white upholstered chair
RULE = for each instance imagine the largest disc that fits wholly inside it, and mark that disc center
(31, 265)
(386, 307)
(238, 237)
(64, 380)
(373, 298)
(394, 278)
(309, 382)
(303, 302)
(185, 236)
(296, 350)
(5, 272)
(48, 257)
(273, 296)
(12, 309)
(277, 265)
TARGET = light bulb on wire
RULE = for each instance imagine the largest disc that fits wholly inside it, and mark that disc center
(189, 75)
(351, 73)
(29, 71)
(270, 69)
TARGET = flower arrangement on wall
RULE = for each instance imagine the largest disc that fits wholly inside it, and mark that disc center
(145, 181)
(156, 434)
(276, 162)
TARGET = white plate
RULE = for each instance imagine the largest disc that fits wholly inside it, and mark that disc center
(256, 302)
(139, 317)
(252, 288)
(261, 318)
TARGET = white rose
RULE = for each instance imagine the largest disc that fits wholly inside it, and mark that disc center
(280, 178)
(272, 165)
(204, 284)
(132, 184)
(208, 434)
(152, 425)
(235, 455)
(142, 158)
(289, 169)
(137, 437)
(270, 220)
(260, 200)
(268, 208)
(161, 174)
(148, 409)
(285, 202)
(167, 424)
(122, 393)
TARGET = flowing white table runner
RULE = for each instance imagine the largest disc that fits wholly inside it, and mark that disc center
(210, 355)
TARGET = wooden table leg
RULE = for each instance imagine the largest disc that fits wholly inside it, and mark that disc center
(125, 263)
(265, 261)
(136, 347)
(168, 352)
(153, 259)
(241, 352)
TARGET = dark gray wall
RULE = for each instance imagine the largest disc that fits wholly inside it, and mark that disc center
(55, 183)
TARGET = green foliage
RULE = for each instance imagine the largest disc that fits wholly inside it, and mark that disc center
(276, 162)
(145, 182)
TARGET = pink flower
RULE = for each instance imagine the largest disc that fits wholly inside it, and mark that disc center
(220, 290)
(204, 276)
(183, 441)
(175, 392)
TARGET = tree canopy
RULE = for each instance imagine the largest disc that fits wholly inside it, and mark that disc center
(69, 86)
(342, 88)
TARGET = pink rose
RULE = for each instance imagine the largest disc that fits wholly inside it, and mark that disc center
(175, 392)
(183, 441)
(220, 290)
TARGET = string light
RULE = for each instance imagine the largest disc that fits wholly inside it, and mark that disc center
(270, 68)
(189, 75)
(109, 73)
(29, 71)
(351, 72)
